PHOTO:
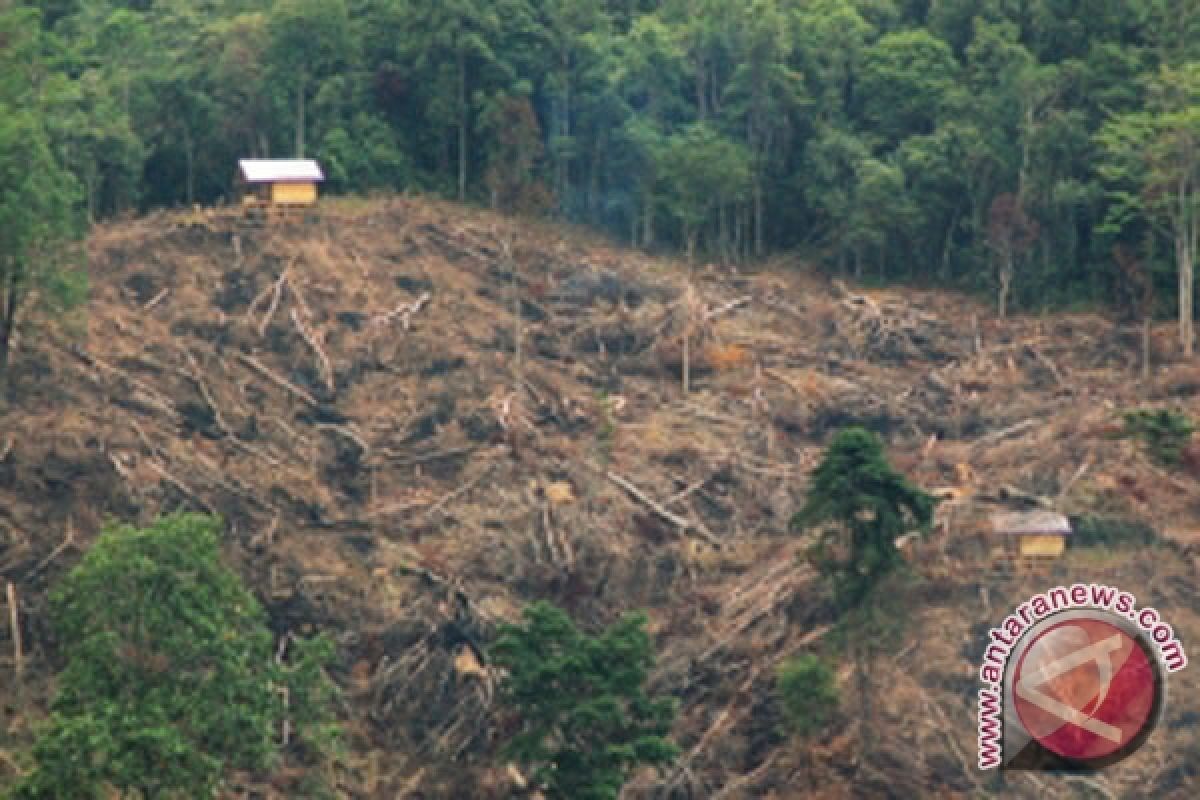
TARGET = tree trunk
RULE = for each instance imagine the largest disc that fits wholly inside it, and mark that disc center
(594, 181)
(8, 319)
(564, 132)
(1189, 240)
(758, 218)
(1183, 258)
(1146, 347)
(301, 90)
(1006, 276)
(648, 222)
(863, 678)
(189, 156)
(462, 127)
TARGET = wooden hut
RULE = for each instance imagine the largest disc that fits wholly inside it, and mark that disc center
(278, 183)
(1033, 535)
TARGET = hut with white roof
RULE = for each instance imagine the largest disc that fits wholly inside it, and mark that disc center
(1036, 534)
(278, 183)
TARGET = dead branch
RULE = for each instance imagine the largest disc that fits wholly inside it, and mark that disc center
(195, 374)
(14, 619)
(349, 433)
(151, 395)
(180, 485)
(684, 493)
(725, 309)
(1079, 473)
(275, 292)
(1049, 365)
(158, 298)
(749, 778)
(466, 487)
(311, 339)
(405, 311)
(283, 383)
(1012, 430)
(1092, 783)
(423, 459)
(67, 541)
(676, 520)
(736, 708)
(1007, 493)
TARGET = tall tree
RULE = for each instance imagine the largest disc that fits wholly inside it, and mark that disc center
(454, 47)
(1010, 234)
(309, 41)
(866, 505)
(1152, 167)
(860, 505)
(764, 93)
(38, 197)
(701, 170)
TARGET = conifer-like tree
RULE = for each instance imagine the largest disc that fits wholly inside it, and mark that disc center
(869, 505)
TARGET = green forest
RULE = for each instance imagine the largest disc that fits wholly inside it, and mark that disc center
(1046, 152)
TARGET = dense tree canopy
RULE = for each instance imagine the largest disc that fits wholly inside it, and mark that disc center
(38, 197)
(171, 678)
(874, 134)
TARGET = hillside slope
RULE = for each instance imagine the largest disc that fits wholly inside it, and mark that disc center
(403, 461)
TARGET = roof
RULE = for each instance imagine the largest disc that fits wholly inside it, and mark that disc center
(280, 171)
(1031, 523)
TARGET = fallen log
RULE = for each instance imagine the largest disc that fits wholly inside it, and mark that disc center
(683, 524)
(283, 383)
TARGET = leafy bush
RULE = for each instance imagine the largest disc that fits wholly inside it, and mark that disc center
(1165, 432)
(808, 693)
(1097, 531)
(583, 719)
(171, 677)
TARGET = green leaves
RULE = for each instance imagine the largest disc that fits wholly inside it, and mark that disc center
(868, 505)
(808, 692)
(38, 198)
(170, 677)
(1165, 432)
(583, 720)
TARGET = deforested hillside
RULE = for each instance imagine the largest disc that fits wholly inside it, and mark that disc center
(415, 418)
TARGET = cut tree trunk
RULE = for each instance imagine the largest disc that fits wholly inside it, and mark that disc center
(1006, 276)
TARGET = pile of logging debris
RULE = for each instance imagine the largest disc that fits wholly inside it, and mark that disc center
(419, 418)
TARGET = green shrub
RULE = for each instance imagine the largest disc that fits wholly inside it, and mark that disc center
(808, 693)
(1116, 532)
(1165, 432)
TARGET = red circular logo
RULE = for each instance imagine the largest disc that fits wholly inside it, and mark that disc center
(1085, 689)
